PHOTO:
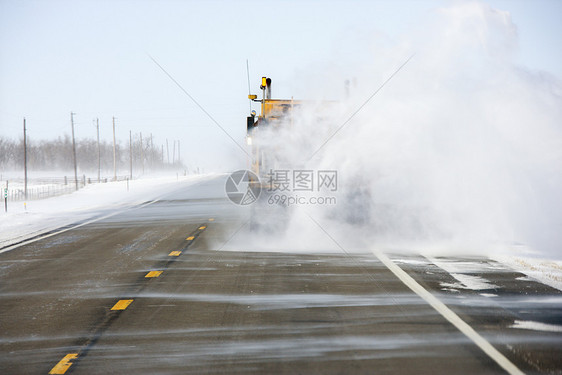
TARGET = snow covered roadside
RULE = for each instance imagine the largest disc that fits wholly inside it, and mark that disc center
(546, 271)
(44, 215)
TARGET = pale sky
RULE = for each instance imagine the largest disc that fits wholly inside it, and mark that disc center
(92, 58)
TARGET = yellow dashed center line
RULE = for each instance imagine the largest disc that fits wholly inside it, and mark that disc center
(122, 304)
(153, 274)
(64, 364)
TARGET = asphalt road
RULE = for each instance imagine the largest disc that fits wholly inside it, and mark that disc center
(82, 302)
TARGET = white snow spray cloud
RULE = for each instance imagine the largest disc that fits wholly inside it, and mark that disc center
(460, 151)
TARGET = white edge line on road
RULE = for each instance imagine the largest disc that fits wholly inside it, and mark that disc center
(41, 237)
(448, 314)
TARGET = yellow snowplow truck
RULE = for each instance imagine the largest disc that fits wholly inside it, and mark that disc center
(274, 112)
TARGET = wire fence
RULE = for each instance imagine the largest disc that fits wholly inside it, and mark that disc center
(40, 188)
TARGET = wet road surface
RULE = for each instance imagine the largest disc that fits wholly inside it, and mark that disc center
(149, 291)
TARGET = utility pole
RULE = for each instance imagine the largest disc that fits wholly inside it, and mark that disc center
(25, 159)
(130, 155)
(6, 197)
(74, 150)
(179, 158)
(142, 153)
(162, 153)
(151, 152)
(168, 150)
(99, 150)
(114, 154)
(174, 153)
